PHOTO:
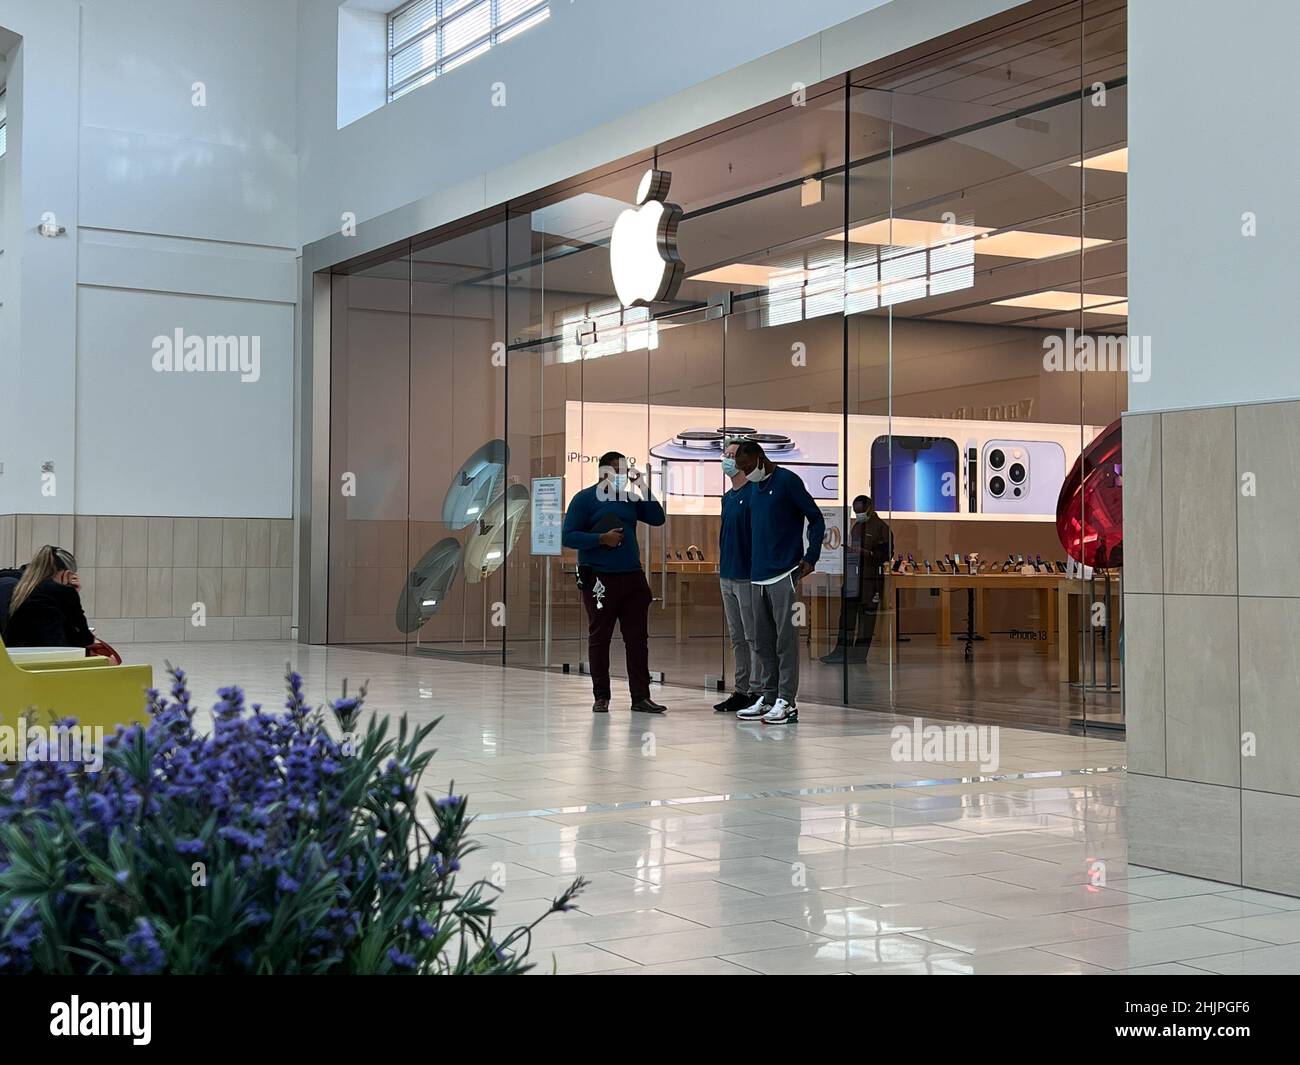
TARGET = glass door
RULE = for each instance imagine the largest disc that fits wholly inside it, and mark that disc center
(586, 376)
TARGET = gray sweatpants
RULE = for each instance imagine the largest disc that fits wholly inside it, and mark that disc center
(738, 604)
(777, 638)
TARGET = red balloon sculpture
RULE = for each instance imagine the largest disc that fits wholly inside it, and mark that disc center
(1090, 511)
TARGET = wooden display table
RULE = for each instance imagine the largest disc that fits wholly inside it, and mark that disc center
(1054, 590)
(815, 592)
(1105, 590)
(688, 574)
(1043, 584)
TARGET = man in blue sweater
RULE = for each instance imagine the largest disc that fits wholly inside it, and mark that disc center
(778, 504)
(600, 525)
(734, 560)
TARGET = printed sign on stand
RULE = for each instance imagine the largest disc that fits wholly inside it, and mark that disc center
(548, 515)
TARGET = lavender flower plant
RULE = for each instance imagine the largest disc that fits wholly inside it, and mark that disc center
(267, 846)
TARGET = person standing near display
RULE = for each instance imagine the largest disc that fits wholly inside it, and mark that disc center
(779, 504)
(600, 525)
(733, 577)
(870, 547)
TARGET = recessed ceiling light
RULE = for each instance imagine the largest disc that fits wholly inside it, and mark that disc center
(739, 274)
(911, 232)
(1056, 300)
(1010, 243)
(1116, 162)
(1022, 244)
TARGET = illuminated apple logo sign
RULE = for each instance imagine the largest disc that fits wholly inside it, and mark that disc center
(643, 247)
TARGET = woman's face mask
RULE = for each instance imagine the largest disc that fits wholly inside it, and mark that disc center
(729, 466)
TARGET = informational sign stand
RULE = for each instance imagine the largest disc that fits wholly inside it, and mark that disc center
(547, 540)
(548, 515)
(831, 561)
(832, 556)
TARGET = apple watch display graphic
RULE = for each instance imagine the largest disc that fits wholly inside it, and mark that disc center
(475, 484)
(915, 473)
(427, 584)
(692, 459)
(1022, 476)
(495, 534)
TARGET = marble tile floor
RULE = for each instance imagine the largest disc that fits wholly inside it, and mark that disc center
(1007, 683)
(716, 847)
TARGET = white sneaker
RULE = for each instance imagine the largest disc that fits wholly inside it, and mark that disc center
(780, 713)
(755, 711)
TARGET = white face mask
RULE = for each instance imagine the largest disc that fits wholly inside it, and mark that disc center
(756, 475)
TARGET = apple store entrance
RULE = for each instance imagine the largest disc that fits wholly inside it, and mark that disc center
(870, 281)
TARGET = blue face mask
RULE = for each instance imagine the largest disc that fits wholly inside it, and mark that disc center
(729, 466)
(620, 482)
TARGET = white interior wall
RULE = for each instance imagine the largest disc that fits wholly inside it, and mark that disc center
(362, 58)
(178, 216)
(1207, 145)
(37, 350)
(4, 285)
(4, 75)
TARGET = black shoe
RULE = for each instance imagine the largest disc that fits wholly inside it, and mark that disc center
(648, 706)
(600, 706)
(735, 701)
(834, 658)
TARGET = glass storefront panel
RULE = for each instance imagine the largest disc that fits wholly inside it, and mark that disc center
(771, 256)
(878, 272)
(461, 503)
(370, 355)
(871, 600)
(1096, 655)
(984, 225)
(573, 351)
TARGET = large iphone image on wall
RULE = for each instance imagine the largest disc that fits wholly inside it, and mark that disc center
(915, 473)
(692, 458)
(1021, 476)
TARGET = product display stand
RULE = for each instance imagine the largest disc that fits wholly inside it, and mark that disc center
(1089, 676)
(898, 617)
(464, 649)
(664, 531)
(969, 650)
(546, 618)
(580, 666)
(1093, 679)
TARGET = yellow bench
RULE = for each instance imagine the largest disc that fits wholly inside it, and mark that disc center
(92, 691)
(43, 666)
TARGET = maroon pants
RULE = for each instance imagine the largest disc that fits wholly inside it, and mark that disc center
(623, 598)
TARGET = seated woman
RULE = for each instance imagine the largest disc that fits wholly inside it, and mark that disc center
(45, 605)
(9, 579)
